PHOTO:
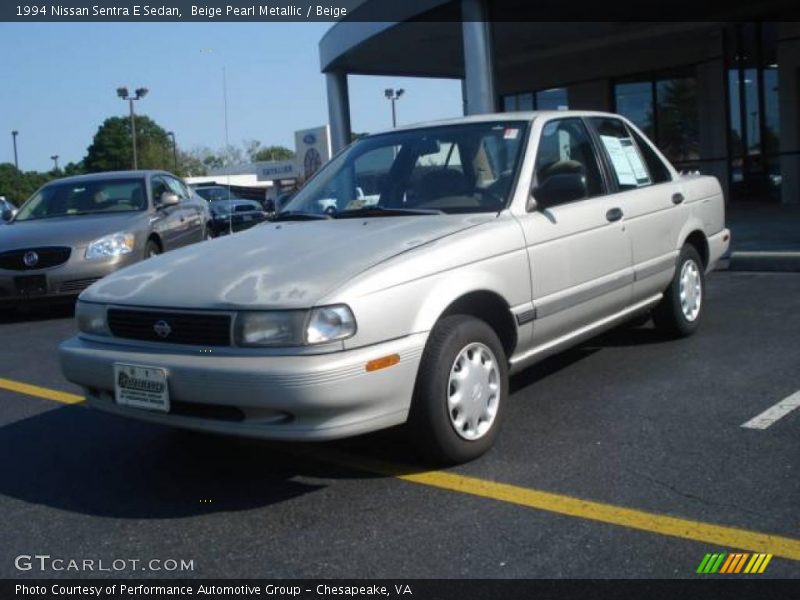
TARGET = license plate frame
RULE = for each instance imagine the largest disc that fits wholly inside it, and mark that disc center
(143, 387)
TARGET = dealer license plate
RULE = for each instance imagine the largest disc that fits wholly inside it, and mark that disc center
(140, 386)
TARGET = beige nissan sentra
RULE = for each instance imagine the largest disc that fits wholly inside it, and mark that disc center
(405, 282)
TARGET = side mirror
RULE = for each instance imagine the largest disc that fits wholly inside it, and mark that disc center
(168, 199)
(560, 187)
(7, 214)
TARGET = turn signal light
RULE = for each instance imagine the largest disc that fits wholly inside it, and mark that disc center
(383, 362)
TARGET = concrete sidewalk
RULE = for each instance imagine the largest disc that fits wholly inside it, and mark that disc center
(764, 237)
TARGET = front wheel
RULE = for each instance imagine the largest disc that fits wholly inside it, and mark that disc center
(461, 391)
(151, 249)
(679, 312)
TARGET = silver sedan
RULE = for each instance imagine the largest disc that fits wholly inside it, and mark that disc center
(405, 282)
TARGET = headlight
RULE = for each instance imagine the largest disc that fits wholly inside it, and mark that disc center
(278, 328)
(91, 318)
(115, 244)
(294, 327)
(329, 323)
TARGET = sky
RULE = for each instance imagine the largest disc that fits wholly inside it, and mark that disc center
(58, 82)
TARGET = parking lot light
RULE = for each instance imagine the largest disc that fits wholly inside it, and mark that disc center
(174, 150)
(393, 96)
(122, 92)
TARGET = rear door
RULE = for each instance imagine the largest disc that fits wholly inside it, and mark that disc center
(651, 201)
(579, 252)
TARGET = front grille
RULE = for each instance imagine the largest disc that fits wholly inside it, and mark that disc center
(39, 258)
(175, 327)
(77, 285)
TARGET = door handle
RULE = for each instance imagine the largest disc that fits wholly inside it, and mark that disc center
(677, 198)
(614, 214)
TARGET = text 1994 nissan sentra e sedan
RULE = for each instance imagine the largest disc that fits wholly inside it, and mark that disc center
(494, 242)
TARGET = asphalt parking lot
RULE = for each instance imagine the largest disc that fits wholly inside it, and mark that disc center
(624, 457)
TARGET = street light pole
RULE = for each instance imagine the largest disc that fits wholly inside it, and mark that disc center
(122, 92)
(14, 135)
(174, 150)
(54, 158)
(393, 96)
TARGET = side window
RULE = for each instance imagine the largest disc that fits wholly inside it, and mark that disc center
(159, 188)
(566, 166)
(658, 171)
(177, 188)
(626, 161)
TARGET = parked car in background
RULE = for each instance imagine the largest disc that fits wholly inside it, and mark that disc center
(7, 209)
(229, 216)
(215, 192)
(496, 240)
(73, 231)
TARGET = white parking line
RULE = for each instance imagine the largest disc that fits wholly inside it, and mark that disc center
(773, 413)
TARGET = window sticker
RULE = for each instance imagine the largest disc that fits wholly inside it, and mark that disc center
(626, 160)
(635, 160)
(625, 174)
(511, 134)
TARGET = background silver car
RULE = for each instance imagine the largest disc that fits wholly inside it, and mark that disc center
(76, 230)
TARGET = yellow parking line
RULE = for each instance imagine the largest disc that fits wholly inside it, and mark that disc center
(39, 392)
(697, 531)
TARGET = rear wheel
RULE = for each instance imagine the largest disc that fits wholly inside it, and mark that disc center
(151, 249)
(679, 312)
(461, 391)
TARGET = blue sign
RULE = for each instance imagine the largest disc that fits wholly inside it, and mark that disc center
(309, 138)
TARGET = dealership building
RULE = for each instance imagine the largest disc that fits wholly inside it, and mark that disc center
(719, 97)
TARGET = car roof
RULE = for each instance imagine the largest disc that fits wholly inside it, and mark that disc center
(526, 115)
(110, 175)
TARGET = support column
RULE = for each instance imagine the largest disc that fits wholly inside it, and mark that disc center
(478, 58)
(338, 109)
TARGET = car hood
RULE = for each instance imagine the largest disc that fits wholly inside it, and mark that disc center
(276, 265)
(63, 231)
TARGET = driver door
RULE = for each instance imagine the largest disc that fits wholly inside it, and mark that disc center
(166, 220)
(578, 249)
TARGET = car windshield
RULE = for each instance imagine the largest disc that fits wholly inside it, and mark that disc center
(84, 198)
(216, 193)
(461, 168)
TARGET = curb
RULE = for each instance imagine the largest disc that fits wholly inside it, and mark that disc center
(786, 262)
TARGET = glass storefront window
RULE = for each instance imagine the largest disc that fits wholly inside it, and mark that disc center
(677, 119)
(525, 102)
(552, 99)
(635, 101)
(754, 120)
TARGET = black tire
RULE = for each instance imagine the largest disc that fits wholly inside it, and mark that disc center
(151, 249)
(208, 232)
(669, 316)
(430, 425)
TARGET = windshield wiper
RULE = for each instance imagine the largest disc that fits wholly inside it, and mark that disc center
(381, 211)
(296, 215)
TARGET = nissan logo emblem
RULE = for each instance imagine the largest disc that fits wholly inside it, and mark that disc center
(162, 329)
(30, 258)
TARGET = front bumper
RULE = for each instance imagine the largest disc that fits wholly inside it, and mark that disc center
(307, 397)
(63, 281)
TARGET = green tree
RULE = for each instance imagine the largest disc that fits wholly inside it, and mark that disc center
(111, 148)
(18, 185)
(271, 153)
